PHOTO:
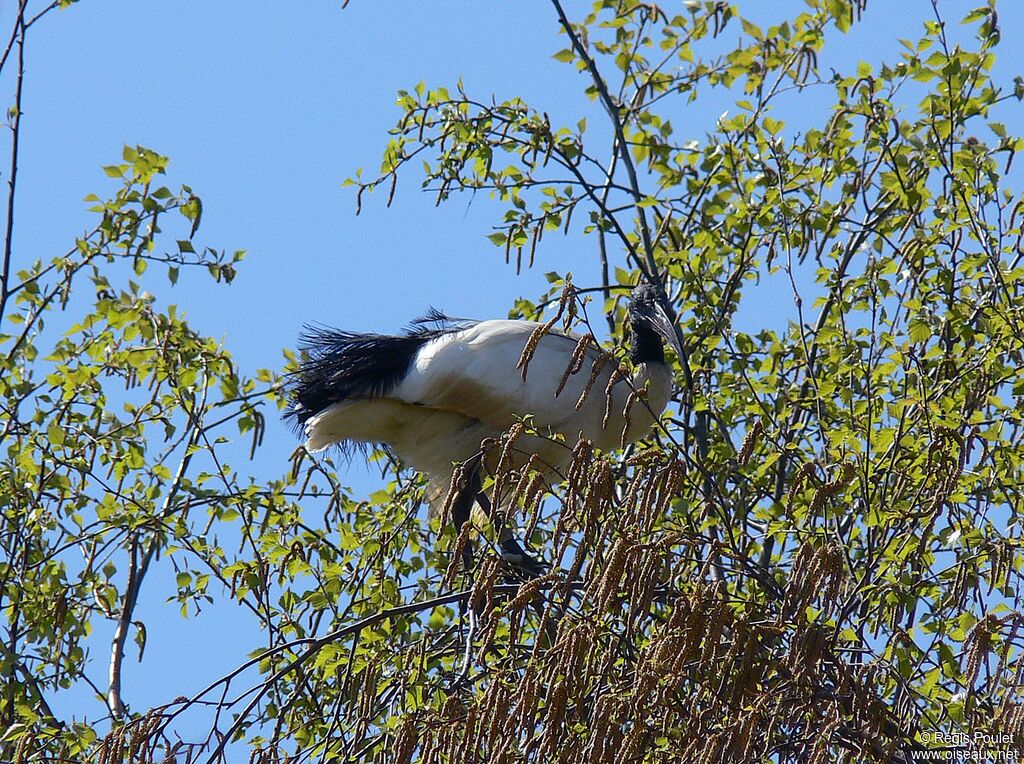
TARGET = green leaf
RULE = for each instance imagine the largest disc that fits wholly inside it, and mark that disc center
(919, 330)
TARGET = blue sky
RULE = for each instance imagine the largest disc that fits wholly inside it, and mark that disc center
(264, 109)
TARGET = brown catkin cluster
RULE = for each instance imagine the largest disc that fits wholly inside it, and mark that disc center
(566, 300)
(817, 575)
(1010, 720)
(618, 373)
(25, 748)
(595, 371)
(1001, 553)
(404, 745)
(630, 651)
(750, 441)
(627, 419)
(457, 555)
(481, 597)
(529, 590)
(806, 650)
(458, 480)
(977, 647)
(501, 468)
(134, 742)
(582, 698)
(833, 488)
(947, 456)
(579, 354)
(803, 472)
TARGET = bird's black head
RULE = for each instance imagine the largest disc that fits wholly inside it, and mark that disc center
(651, 323)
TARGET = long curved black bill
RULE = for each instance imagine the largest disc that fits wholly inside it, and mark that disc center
(663, 325)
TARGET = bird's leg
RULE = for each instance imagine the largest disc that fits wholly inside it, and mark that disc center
(463, 505)
(511, 550)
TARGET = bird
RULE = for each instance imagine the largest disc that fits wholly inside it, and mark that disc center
(435, 393)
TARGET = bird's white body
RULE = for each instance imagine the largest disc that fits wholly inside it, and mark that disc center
(463, 387)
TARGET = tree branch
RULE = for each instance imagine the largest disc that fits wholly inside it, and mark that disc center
(613, 112)
(5, 272)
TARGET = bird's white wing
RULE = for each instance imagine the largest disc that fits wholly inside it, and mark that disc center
(473, 372)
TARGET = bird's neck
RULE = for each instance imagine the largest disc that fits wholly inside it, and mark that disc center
(647, 345)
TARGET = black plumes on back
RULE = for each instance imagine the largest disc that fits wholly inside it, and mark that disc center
(344, 365)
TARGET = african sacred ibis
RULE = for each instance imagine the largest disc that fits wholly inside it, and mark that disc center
(434, 393)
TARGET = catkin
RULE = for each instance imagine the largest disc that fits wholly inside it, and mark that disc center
(531, 344)
(749, 441)
(976, 647)
(618, 374)
(579, 353)
(457, 553)
(627, 420)
(595, 371)
(529, 590)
